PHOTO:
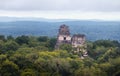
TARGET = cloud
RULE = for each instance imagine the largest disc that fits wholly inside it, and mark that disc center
(63, 15)
(61, 5)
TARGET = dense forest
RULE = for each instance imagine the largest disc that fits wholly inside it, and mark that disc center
(36, 56)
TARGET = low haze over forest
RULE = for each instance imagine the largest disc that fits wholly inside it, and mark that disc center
(93, 29)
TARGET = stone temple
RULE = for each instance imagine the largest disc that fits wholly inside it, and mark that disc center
(77, 41)
(63, 36)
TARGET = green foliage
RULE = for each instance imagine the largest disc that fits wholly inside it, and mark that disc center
(11, 45)
(67, 47)
(89, 71)
(51, 43)
(2, 37)
(10, 38)
(22, 40)
(1, 46)
(35, 56)
(28, 72)
(42, 38)
(105, 43)
(9, 68)
(2, 58)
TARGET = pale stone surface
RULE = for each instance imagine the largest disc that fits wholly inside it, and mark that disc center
(77, 40)
(61, 37)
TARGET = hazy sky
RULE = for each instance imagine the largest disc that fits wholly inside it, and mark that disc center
(73, 9)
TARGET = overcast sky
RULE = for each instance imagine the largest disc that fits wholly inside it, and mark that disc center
(74, 9)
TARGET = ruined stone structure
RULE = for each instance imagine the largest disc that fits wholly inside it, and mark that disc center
(63, 36)
(77, 41)
(78, 44)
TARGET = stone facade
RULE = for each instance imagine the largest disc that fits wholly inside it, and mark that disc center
(63, 36)
(77, 41)
(79, 45)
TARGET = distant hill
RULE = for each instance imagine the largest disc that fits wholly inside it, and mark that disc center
(93, 29)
